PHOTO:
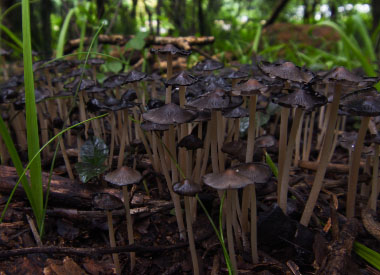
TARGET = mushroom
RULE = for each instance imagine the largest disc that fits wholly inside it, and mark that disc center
(229, 179)
(364, 103)
(123, 177)
(188, 188)
(107, 203)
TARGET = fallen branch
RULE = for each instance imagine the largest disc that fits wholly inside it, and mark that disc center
(184, 42)
(87, 251)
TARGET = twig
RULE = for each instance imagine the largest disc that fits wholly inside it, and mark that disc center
(34, 231)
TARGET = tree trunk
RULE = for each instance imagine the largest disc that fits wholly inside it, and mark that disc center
(375, 8)
(276, 12)
(45, 11)
(202, 29)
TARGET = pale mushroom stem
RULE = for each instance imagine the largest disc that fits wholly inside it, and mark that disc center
(230, 240)
(249, 158)
(131, 239)
(213, 137)
(206, 152)
(255, 255)
(375, 179)
(305, 135)
(111, 233)
(220, 139)
(298, 144)
(310, 136)
(282, 147)
(288, 159)
(65, 157)
(325, 154)
(183, 129)
(190, 234)
(354, 170)
(82, 113)
(44, 130)
(113, 132)
(124, 134)
(235, 224)
(169, 62)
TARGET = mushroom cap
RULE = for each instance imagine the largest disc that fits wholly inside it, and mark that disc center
(170, 49)
(190, 142)
(250, 87)
(365, 102)
(187, 188)
(265, 141)
(255, 171)
(150, 126)
(203, 115)
(287, 71)
(341, 74)
(123, 176)
(236, 149)
(95, 61)
(301, 98)
(154, 103)
(237, 112)
(105, 201)
(114, 81)
(84, 84)
(229, 179)
(181, 79)
(208, 65)
(134, 76)
(216, 100)
(169, 114)
(233, 74)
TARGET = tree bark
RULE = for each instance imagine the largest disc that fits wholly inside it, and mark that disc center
(276, 12)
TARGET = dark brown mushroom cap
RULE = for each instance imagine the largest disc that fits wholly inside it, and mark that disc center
(83, 85)
(232, 74)
(190, 142)
(169, 114)
(58, 123)
(150, 126)
(347, 140)
(7, 94)
(375, 139)
(187, 188)
(96, 89)
(105, 201)
(250, 87)
(365, 102)
(236, 149)
(255, 171)
(301, 98)
(342, 75)
(287, 71)
(208, 65)
(153, 77)
(123, 176)
(154, 103)
(216, 100)
(266, 141)
(181, 79)
(171, 49)
(40, 94)
(203, 115)
(114, 81)
(4, 52)
(237, 112)
(134, 76)
(229, 179)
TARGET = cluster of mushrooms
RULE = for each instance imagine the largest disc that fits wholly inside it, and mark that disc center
(190, 129)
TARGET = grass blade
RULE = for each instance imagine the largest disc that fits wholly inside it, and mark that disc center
(31, 116)
(63, 32)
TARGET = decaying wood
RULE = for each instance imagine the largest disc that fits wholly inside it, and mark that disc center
(336, 260)
(332, 167)
(184, 42)
(63, 191)
(370, 224)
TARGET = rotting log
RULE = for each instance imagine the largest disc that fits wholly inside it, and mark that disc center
(63, 191)
(184, 42)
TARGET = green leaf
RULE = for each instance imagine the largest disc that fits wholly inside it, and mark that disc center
(114, 66)
(137, 42)
(88, 171)
(63, 32)
(369, 255)
(94, 151)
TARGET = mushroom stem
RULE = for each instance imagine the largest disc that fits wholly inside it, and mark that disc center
(354, 170)
(131, 239)
(82, 113)
(113, 132)
(325, 154)
(283, 197)
(169, 64)
(190, 234)
(64, 154)
(220, 139)
(206, 152)
(282, 147)
(255, 255)
(310, 136)
(298, 143)
(230, 240)
(213, 137)
(305, 135)
(111, 233)
(375, 179)
(123, 140)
